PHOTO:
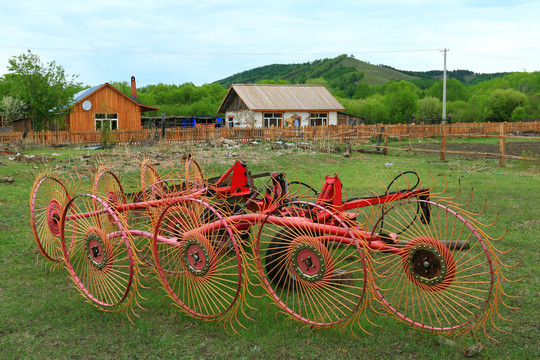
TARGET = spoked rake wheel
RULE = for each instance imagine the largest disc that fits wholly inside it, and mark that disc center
(193, 171)
(151, 185)
(97, 250)
(436, 275)
(108, 187)
(154, 187)
(198, 259)
(48, 199)
(315, 272)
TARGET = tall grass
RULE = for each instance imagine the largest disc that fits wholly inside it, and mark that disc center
(42, 316)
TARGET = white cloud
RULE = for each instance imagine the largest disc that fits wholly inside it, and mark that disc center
(202, 41)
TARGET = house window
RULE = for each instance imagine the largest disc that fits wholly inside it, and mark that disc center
(272, 119)
(318, 119)
(107, 119)
(231, 121)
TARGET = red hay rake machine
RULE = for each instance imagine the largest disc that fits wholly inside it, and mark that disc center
(324, 260)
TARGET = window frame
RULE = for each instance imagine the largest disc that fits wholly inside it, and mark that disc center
(272, 119)
(316, 117)
(100, 118)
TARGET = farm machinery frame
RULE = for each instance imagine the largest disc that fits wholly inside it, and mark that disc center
(324, 260)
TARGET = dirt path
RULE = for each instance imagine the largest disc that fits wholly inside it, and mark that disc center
(512, 148)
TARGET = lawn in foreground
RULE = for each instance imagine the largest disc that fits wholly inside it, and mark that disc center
(43, 317)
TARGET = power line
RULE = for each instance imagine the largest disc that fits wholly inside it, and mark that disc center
(196, 53)
(392, 51)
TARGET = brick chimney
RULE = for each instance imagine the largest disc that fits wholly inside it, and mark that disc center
(133, 89)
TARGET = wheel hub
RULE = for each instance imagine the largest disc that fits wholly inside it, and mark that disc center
(112, 199)
(53, 217)
(196, 257)
(96, 250)
(426, 264)
(308, 262)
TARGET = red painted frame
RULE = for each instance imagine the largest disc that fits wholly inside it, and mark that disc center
(330, 197)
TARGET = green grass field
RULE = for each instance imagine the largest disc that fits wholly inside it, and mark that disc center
(43, 316)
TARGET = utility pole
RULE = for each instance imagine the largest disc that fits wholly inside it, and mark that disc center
(444, 51)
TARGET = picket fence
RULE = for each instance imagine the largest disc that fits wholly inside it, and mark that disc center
(341, 133)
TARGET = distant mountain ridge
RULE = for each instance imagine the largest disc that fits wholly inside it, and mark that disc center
(344, 73)
(465, 76)
(325, 69)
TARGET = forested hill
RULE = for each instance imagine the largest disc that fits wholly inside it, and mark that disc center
(339, 73)
(465, 76)
(343, 74)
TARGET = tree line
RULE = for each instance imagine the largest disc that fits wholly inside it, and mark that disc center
(178, 100)
(44, 91)
(512, 97)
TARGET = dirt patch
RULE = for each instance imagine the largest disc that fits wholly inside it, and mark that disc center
(512, 148)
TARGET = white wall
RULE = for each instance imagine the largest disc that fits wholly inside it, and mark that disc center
(247, 118)
(332, 118)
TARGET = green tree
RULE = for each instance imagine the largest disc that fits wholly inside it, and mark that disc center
(123, 86)
(455, 90)
(401, 101)
(317, 81)
(519, 113)
(11, 108)
(273, 82)
(373, 109)
(363, 91)
(351, 106)
(429, 107)
(501, 103)
(45, 89)
(461, 111)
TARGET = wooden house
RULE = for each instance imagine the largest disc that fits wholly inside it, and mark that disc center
(104, 105)
(257, 105)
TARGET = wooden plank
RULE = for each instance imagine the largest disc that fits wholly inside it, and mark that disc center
(502, 145)
(443, 143)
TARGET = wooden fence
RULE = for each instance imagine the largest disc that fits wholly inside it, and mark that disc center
(502, 155)
(341, 133)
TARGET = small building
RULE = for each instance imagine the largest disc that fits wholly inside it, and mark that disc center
(21, 124)
(349, 119)
(170, 122)
(104, 105)
(263, 105)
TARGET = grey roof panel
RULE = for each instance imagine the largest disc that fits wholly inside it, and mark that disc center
(285, 97)
(84, 93)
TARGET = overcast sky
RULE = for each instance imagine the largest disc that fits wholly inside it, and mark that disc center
(201, 41)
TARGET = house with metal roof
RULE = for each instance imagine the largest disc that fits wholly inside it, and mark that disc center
(263, 105)
(104, 105)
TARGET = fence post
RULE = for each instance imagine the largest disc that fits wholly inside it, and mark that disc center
(443, 143)
(502, 144)
(162, 126)
(379, 138)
